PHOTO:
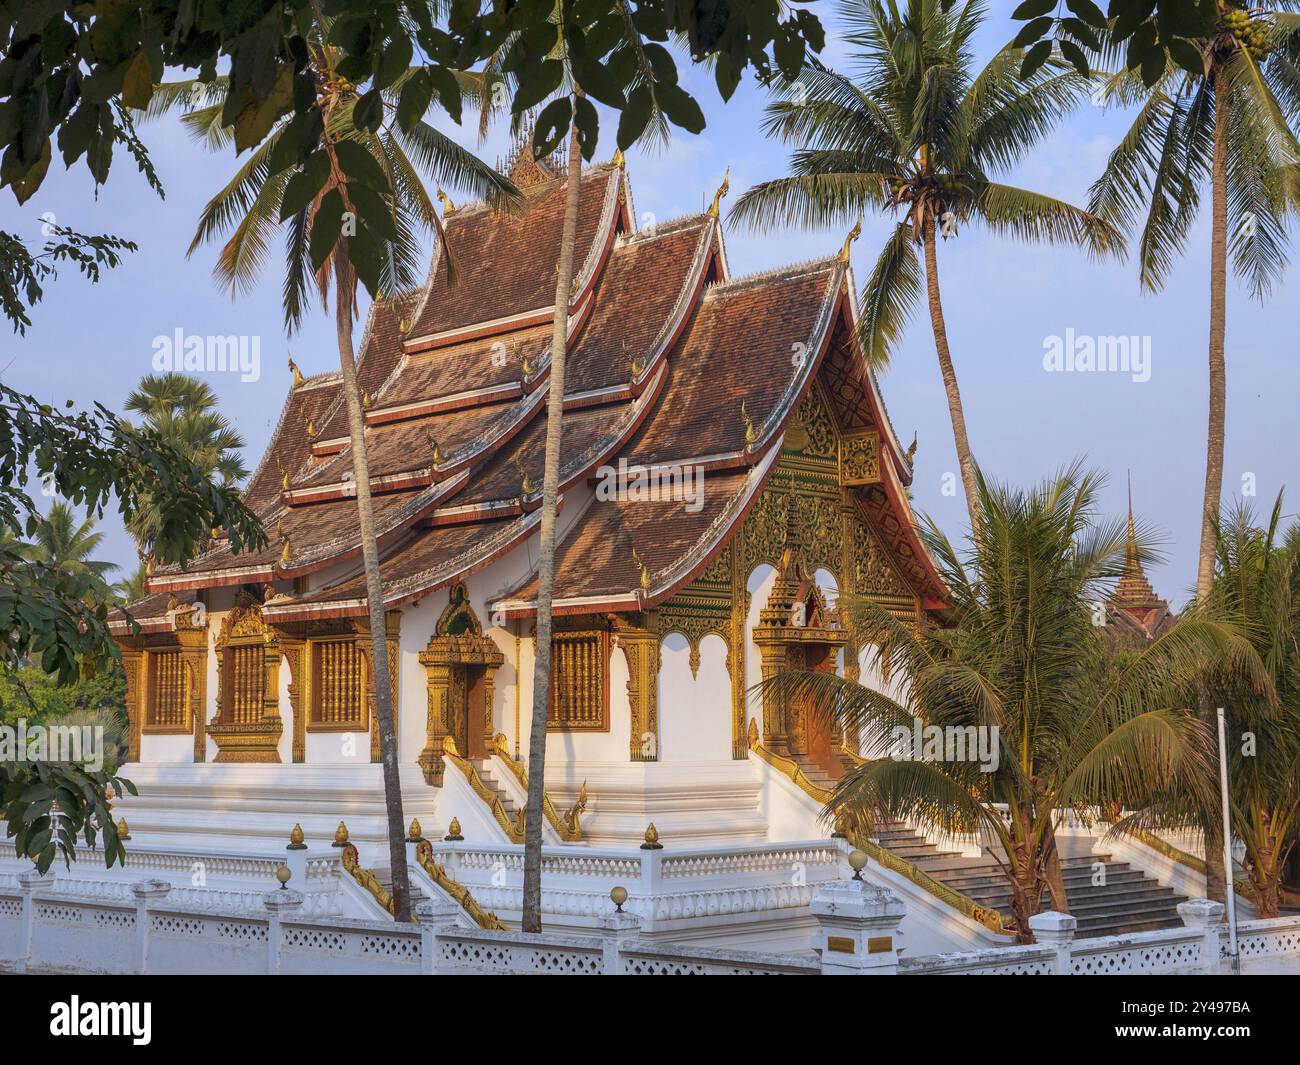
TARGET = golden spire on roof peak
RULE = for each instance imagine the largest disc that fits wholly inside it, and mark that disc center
(297, 373)
(619, 160)
(716, 206)
(854, 233)
(445, 200)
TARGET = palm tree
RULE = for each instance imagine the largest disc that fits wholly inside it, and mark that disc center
(63, 543)
(1257, 583)
(1072, 724)
(921, 133)
(183, 411)
(570, 101)
(135, 587)
(1229, 122)
(250, 207)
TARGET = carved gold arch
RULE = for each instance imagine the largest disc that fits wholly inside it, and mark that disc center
(810, 496)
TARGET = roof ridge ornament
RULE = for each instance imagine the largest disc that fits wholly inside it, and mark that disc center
(433, 442)
(312, 431)
(619, 160)
(445, 200)
(751, 434)
(526, 485)
(643, 576)
(297, 373)
(635, 362)
(716, 206)
(854, 233)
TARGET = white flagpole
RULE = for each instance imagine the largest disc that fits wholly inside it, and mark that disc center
(1229, 879)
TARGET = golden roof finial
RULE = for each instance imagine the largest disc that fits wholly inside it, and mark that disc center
(284, 475)
(366, 399)
(526, 485)
(445, 200)
(403, 327)
(854, 233)
(911, 449)
(723, 189)
(297, 373)
(751, 434)
(619, 161)
(636, 362)
(312, 431)
(526, 365)
(644, 574)
(286, 545)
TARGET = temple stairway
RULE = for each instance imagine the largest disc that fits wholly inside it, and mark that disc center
(489, 774)
(1127, 901)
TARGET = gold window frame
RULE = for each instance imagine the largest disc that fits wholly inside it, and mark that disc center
(593, 674)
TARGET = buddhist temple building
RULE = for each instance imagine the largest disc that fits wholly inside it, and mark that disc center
(728, 469)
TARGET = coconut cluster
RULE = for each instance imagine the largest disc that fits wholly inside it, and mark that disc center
(1250, 33)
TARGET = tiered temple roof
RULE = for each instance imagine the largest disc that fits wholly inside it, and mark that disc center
(664, 349)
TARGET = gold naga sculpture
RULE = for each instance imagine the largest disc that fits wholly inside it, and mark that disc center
(297, 373)
(715, 208)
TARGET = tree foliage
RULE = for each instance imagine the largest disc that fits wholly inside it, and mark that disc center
(56, 616)
(71, 71)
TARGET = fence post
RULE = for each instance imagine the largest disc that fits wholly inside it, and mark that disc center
(28, 881)
(617, 929)
(146, 892)
(1056, 930)
(857, 931)
(431, 915)
(1204, 917)
(278, 904)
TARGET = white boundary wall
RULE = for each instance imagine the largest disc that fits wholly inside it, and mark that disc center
(42, 930)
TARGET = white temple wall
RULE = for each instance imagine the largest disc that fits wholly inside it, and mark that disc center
(759, 587)
(694, 712)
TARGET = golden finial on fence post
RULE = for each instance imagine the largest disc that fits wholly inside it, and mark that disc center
(297, 841)
(453, 831)
(414, 834)
(651, 839)
(340, 836)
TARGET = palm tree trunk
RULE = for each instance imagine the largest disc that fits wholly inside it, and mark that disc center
(345, 294)
(964, 457)
(1052, 874)
(532, 903)
(1215, 873)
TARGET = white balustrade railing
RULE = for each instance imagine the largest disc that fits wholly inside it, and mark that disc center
(42, 929)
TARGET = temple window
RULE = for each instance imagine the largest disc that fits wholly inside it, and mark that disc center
(579, 682)
(167, 706)
(338, 685)
(243, 684)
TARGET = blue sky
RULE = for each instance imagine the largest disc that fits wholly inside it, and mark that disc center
(94, 342)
